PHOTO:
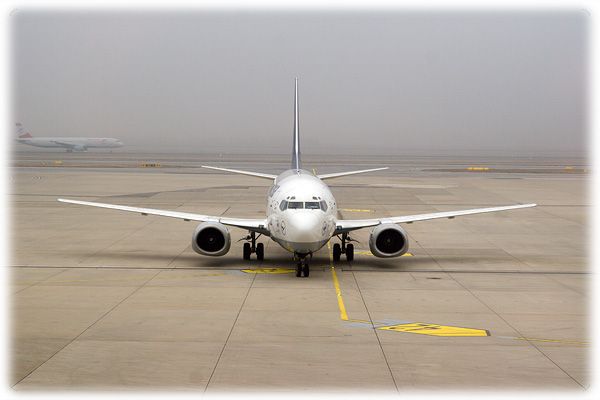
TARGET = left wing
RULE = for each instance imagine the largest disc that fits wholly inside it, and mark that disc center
(258, 225)
(347, 225)
(338, 174)
(237, 171)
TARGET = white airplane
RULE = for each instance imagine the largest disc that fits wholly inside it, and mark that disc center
(69, 143)
(301, 217)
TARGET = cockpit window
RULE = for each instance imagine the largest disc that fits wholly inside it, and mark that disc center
(283, 205)
(323, 205)
(295, 205)
(312, 205)
(308, 205)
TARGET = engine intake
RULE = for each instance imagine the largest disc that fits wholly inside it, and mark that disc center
(388, 240)
(211, 239)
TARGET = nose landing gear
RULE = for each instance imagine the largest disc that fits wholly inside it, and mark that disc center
(302, 267)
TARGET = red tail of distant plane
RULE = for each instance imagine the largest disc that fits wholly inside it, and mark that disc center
(22, 134)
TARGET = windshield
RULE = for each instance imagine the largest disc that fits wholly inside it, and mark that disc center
(308, 205)
(312, 205)
(295, 204)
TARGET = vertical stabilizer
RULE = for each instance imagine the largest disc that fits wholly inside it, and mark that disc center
(296, 163)
(21, 133)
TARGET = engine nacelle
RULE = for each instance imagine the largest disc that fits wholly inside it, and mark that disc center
(388, 240)
(211, 239)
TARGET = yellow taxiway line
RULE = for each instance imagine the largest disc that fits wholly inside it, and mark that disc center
(336, 283)
(564, 341)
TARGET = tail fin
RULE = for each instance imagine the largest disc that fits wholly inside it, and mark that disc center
(22, 134)
(296, 163)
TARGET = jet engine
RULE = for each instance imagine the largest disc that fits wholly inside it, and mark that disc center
(388, 240)
(211, 239)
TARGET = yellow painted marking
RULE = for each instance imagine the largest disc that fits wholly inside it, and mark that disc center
(336, 283)
(314, 172)
(368, 253)
(550, 340)
(268, 271)
(569, 167)
(435, 330)
(58, 162)
(478, 169)
(356, 210)
(361, 321)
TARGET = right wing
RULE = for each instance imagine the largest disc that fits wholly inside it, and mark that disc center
(237, 171)
(347, 225)
(338, 174)
(258, 225)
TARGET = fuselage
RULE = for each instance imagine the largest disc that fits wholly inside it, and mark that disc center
(301, 212)
(72, 142)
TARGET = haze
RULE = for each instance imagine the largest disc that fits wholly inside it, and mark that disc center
(370, 83)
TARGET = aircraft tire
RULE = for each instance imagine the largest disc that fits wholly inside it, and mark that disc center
(349, 252)
(337, 251)
(306, 270)
(260, 251)
(247, 251)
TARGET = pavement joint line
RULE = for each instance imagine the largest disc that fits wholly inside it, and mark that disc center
(86, 329)
(375, 331)
(150, 221)
(229, 334)
(531, 342)
(176, 257)
(40, 281)
(453, 271)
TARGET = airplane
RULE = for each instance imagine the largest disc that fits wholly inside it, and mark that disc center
(69, 143)
(301, 216)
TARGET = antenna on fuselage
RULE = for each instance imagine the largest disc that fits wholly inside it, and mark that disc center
(296, 163)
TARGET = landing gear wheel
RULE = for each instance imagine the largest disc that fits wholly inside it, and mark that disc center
(306, 270)
(247, 251)
(337, 251)
(260, 251)
(349, 252)
(299, 270)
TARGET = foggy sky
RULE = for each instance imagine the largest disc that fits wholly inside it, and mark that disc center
(379, 82)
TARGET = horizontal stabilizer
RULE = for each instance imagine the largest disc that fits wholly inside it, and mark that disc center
(237, 171)
(338, 174)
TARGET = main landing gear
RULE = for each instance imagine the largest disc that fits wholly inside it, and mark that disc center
(253, 247)
(302, 267)
(347, 249)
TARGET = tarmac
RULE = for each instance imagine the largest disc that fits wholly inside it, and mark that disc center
(106, 300)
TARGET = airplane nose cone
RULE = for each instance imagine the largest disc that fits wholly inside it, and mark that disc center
(305, 226)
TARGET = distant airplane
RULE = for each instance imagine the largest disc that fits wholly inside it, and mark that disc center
(301, 217)
(69, 143)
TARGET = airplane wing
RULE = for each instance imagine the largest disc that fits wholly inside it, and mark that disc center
(237, 171)
(65, 144)
(347, 225)
(338, 174)
(258, 225)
